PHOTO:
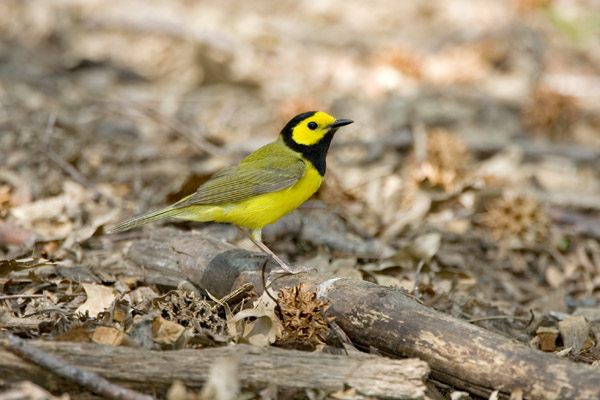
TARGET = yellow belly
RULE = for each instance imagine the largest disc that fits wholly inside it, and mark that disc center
(264, 209)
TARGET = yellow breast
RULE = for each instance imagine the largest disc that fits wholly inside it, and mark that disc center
(265, 209)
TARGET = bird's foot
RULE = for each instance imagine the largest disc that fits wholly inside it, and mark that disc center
(285, 267)
(288, 269)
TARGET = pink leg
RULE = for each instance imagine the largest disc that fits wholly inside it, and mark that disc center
(268, 251)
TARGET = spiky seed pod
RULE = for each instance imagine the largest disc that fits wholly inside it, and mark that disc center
(550, 113)
(303, 315)
(521, 217)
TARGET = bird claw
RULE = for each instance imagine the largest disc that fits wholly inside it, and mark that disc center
(287, 269)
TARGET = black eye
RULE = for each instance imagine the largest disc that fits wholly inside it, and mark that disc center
(312, 125)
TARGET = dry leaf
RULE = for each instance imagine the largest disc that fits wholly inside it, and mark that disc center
(77, 333)
(348, 394)
(99, 299)
(141, 298)
(108, 335)
(574, 332)
(421, 248)
(262, 331)
(165, 331)
(10, 235)
(223, 380)
(503, 166)
(458, 395)
(390, 281)
(30, 391)
(554, 276)
(233, 327)
(426, 246)
(516, 394)
(419, 207)
(48, 217)
(177, 391)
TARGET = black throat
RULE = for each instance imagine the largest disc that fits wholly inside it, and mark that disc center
(315, 153)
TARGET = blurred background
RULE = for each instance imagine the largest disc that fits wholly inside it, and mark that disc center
(471, 175)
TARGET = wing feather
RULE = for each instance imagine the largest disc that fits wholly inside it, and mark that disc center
(262, 172)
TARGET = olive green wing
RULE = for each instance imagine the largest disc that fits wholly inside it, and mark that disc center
(258, 174)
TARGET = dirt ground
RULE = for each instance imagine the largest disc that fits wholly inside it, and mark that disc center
(470, 178)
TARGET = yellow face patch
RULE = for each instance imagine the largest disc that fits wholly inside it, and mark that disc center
(311, 130)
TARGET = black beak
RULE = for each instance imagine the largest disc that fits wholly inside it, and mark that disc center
(340, 122)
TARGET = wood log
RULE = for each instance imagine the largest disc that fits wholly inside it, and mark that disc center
(384, 318)
(289, 370)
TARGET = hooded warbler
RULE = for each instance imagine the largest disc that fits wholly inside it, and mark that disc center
(264, 186)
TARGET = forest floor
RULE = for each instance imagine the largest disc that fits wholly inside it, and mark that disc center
(470, 178)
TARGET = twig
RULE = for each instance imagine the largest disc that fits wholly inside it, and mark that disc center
(86, 379)
(237, 294)
(493, 317)
(416, 292)
(266, 287)
(46, 311)
(68, 168)
(21, 296)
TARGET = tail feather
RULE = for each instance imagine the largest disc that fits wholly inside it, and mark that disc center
(144, 219)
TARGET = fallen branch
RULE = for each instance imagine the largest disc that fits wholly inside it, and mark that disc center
(384, 318)
(86, 379)
(155, 371)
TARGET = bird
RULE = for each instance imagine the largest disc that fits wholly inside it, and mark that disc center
(266, 185)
